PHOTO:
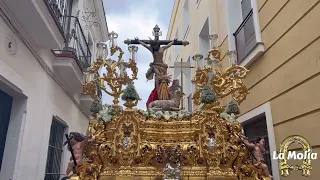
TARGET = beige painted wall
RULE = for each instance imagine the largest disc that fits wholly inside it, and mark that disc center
(287, 75)
(198, 15)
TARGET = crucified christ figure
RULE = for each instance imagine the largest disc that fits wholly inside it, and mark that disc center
(157, 67)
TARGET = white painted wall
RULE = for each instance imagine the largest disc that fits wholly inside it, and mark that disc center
(37, 98)
(44, 100)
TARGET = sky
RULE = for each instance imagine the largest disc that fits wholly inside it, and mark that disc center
(137, 18)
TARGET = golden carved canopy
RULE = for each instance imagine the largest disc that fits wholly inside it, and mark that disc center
(135, 145)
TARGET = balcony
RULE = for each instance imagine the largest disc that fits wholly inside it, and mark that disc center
(74, 58)
(59, 10)
(247, 46)
(33, 19)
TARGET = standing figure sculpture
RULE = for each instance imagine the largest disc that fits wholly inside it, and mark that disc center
(258, 149)
(158, 69)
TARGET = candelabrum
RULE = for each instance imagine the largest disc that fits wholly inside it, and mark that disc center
(116, 75)
(222, 82)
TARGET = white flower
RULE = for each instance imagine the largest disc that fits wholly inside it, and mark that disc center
(106, 113)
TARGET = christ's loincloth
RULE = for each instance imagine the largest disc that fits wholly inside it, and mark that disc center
(156, 69)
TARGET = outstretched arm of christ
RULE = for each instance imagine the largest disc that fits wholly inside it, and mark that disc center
(143, 44)
(169, 45)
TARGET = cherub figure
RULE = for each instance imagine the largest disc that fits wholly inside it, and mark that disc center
(77, 142)
(258, 149)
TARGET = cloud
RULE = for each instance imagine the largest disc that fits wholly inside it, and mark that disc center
(137, 19)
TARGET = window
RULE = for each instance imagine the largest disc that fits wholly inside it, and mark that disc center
(186, 18)
(5, 113)
(177, 48)
(198, 3)
(55, 150)
(244, 31)
(257, 127)
(91, 48)
(190, 103)
(204, 42)
(245, 34)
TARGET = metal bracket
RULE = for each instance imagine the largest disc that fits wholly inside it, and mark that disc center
(86, 16)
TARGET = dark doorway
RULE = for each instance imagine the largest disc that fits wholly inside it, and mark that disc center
(257, 127)
(5, 112)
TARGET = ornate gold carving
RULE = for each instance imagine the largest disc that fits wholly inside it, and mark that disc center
(154, 142)
(222, 82)
(112, 78)
(285, 168)
(200, 79)
(135, 144)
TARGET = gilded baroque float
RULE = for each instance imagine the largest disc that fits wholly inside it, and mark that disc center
(137, 144)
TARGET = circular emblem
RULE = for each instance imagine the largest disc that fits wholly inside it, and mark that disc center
(11, 45)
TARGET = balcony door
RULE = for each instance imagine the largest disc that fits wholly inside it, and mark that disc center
(5, 112)
(245, 34)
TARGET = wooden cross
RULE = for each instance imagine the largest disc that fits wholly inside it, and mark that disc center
(156, 33)
(181, 67)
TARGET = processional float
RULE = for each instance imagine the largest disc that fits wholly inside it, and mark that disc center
(136, 144)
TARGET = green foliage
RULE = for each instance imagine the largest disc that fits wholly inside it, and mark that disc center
(96, 106)
(207, 95)
(233, 108)
(130, 93)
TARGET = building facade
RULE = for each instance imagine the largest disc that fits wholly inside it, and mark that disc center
(46, 45)
(278, 41)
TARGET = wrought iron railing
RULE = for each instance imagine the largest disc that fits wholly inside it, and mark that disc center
(59, 10)
(76, 42)
(245, 37)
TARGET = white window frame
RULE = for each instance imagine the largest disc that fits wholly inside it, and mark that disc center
(266, 110)
(259, 48)
(65, 150)
(186, 32)
(186, 22)
(198, 3)
(177, 48)
(15, 133)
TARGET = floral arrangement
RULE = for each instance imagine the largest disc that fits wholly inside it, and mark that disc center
(130, 93)
(166, 115)
(107, 113)
(96, 106)
(207, 95)
(231, 112)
